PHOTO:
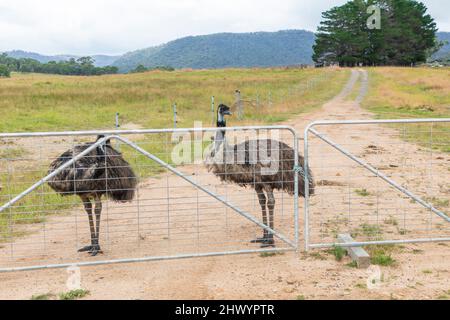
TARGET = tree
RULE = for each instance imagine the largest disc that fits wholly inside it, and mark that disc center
(406, 36)
(82, 66)
(4, 71)
(138, 69)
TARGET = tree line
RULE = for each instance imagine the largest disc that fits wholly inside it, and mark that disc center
(405, 34)
(141, 68)
(83, 66)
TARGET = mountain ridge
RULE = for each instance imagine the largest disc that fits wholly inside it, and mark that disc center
(101, 60)
(219, 50)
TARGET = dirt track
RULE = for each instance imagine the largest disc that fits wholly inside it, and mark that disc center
(422, 271)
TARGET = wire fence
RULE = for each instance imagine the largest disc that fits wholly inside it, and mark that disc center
(383, 182)
(263, 100)
(179, 209)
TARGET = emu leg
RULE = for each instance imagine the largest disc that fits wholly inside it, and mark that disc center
(98, 211)
(88, 207)
(270, 242)
(262, 201)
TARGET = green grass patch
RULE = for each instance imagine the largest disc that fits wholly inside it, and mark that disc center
(338, 252)
(382, 260)
(362, 192)
(270, 254)
(381, 255)
(74, 294)
(371, 230)
(45, 296)
(439, 203)
(361, 286)
(12, 153)
(391, 221)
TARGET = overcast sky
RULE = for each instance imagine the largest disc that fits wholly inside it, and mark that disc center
(118, 26)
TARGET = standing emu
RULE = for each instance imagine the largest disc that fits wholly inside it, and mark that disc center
(250, 174)
(101, 171)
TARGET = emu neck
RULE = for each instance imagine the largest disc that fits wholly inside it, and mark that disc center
(220, 135)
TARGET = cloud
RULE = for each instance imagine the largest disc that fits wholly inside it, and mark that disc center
(117, 26)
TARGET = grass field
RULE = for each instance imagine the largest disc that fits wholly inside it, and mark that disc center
(397, 93)
(409, 92)
(32, 102)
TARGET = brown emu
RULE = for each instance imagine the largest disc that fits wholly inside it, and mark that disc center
(247, 173)
(101, 171)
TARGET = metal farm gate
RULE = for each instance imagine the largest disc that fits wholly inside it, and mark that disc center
(180, 210)
(381, 181)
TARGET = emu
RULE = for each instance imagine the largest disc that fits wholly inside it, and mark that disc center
(103, 171)
(247, 173)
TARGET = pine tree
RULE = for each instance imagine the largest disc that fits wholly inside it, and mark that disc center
(406, 37)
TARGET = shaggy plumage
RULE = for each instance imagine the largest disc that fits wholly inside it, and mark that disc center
(95, 173)
(102, 171)
(250, 173)
(241, 164)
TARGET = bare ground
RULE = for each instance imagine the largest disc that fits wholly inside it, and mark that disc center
(421, 272)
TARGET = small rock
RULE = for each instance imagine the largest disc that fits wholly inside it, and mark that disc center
(291, 281)
(289, 290)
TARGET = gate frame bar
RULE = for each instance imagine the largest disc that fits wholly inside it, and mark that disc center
(115, 134)
(375, 171)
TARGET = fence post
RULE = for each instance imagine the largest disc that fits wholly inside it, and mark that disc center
(175, 115)
(270, 99)
(239, 105)
(212, 111)
(117, 125)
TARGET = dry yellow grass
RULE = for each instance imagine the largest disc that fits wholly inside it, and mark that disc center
(32, 102)
(409, 92)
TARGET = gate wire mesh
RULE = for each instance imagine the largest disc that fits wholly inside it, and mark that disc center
(168, 217)
(351, 199)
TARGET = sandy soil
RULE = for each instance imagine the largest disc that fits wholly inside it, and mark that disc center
(422, 271)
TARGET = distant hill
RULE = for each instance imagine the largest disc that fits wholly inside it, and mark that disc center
(445, 51)
(100, 60)
(259, 49)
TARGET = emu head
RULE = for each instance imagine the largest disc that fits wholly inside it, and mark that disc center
(222, 111)
(101, 148)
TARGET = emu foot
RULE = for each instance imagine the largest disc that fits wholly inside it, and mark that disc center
(85, 249)
(95, 250)
(265, 242)
(268, 243)
(259, 240)
(92, 249)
